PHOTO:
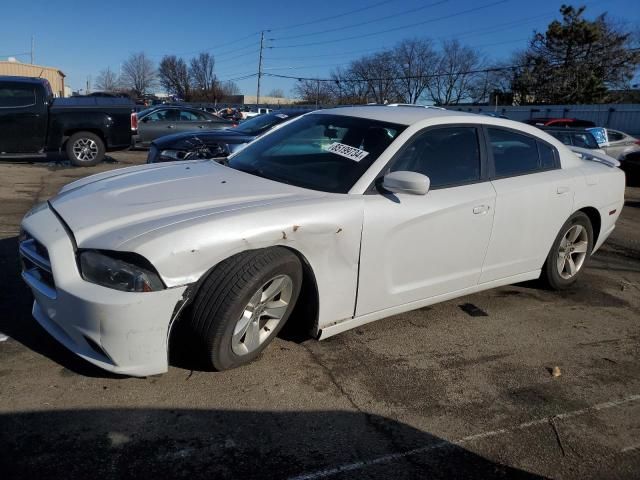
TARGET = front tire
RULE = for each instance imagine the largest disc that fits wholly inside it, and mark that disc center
(85, 149)
(570, 253)
(243, 304)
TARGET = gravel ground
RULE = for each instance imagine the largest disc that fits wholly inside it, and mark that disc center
(434, 393)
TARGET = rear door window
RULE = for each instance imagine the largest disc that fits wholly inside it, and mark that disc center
(517, 154)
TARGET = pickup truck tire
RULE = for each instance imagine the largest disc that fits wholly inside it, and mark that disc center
(242, 305)
(85, 149)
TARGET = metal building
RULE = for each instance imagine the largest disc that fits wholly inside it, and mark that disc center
(18, 69)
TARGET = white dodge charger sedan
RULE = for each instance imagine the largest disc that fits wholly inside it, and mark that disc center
(333, 220)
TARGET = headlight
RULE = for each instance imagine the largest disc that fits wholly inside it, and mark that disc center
(127, 272)
(170, 155)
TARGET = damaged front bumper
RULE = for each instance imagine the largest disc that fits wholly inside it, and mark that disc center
(122, 332)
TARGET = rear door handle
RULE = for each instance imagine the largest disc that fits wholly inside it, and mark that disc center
(481, 209)
(562, 190)
(171, 126)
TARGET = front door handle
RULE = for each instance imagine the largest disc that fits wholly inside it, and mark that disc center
(481, 209)
(171, 126)
(562, 190)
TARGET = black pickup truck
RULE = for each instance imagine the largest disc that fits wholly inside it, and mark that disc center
(33, 123)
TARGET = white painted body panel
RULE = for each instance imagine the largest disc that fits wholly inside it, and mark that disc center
(416, 247)
(371, 255)
(529, 211)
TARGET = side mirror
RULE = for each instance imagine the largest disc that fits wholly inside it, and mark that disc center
(406, 182)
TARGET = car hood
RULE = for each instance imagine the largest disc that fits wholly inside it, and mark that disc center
(188, 140)
(109, 209)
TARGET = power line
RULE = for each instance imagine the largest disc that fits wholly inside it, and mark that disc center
(360, 24)
(332, 17)
(236, 57)
(405, 77)
(193, 52)
(403, 27)
(239, 78)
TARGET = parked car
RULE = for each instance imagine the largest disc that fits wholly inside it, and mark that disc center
(620, 144)
(155, 122)
(560, 122)
(230, 113)
(333, 220)
(33, 122)
(631, 167)
(260, 111)
(575, 137)
(217, 143)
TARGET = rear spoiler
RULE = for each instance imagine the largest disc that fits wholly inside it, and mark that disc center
(595, 156)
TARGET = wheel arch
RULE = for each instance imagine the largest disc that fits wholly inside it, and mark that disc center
(304, 318)
(72, 131)
(302, 321)
(595, 219)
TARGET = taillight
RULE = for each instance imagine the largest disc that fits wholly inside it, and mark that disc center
(234, 125)
(134, 122)
(637, 142)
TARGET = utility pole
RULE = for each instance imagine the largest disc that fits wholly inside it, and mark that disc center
(32, 48)
(260, 67)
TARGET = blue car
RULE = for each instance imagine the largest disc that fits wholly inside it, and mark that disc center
(216, 143)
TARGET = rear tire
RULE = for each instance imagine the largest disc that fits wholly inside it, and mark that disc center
(85, 149)
(569, 254)
(234, 313)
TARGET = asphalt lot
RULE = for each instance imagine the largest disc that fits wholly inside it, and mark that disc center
(434, 393)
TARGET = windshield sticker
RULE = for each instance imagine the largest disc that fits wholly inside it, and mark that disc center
(352, 153)
(282, 115)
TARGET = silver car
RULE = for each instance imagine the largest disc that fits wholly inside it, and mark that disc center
(620, 144)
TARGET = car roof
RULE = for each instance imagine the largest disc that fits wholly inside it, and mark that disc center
(399, 115)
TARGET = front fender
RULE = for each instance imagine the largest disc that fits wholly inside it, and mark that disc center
(327, 232)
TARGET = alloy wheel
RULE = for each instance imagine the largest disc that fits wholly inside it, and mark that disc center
(265, 310)
(572, 251)
(85, 150)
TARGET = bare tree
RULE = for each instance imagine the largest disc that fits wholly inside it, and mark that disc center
(174, 76)
(379, 73)
(454, 78)
(138, 73)
(313, 91)
(107, 80)
(276, 93)
(348, 87)
(416, 61)
(203, 76)
(229, 88)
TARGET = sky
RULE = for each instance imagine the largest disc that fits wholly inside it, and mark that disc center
(302, 39)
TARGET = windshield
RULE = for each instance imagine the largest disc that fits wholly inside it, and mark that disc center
(261, 123)
(321, 152)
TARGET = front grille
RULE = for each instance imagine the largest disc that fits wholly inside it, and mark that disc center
(36, 267)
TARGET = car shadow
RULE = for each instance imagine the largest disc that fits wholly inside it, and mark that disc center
(230, 444)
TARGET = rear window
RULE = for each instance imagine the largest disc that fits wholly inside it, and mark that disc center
(13, 96)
